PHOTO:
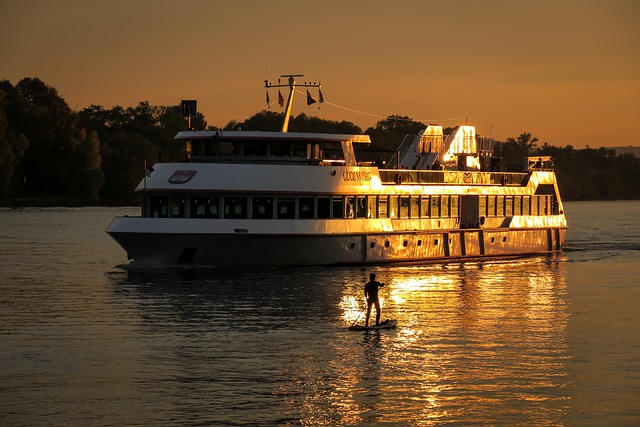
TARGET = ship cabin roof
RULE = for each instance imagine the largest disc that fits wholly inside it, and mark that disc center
(270, 147)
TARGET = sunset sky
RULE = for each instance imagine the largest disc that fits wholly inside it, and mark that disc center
(566, 71)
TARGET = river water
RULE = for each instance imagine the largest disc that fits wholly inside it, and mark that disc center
(548, 340)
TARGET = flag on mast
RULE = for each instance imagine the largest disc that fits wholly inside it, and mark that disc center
(268, 101)
(147, 169)
(310, 99)
(280, 99)
(320, 97)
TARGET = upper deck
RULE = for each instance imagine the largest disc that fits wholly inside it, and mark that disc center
(270, 147)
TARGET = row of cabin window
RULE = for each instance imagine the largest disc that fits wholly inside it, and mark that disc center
(340, 207)
(303, 207)
(517, 205)
(249, 148)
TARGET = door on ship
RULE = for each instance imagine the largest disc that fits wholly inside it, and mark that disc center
(469, 211)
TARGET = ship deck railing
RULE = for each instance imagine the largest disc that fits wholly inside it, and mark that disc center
(408, 177)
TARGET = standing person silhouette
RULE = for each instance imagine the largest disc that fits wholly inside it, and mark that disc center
(371, 294)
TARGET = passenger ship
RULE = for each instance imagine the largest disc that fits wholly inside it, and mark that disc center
(246, 198)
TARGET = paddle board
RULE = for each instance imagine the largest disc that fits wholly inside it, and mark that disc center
(387, 324)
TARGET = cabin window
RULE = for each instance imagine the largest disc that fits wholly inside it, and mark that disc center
(209, 148)
(262, 208)
(547, 205)
(299, 149)
(193, 148)
(286, 208)
(455, 210)
(306, 207)
(500, 205)
(435, 206)
(280, 149)
(372, 211)
(383, 207)
(235, 207)
(158, 207)
(526, 204)
(405, 204)
(425, 202)
(221, 148)
(204, 207)
(482, 206)
(535, 200)
(508, 206)
(177, 206)
(361, 207)
(393, 207)
(415, 207)
(517, 205)
(324, 207)
(254, 148)
(351, 208)
(555, 207)
(444, 206)
(491, 205)
(338, 207)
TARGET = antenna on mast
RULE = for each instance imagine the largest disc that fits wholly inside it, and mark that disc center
(291, 82)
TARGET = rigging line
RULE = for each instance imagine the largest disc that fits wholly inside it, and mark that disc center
(384, 117)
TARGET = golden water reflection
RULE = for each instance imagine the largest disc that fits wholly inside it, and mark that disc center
(478, 341)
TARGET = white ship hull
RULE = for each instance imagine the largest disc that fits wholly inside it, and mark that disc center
(241, 248)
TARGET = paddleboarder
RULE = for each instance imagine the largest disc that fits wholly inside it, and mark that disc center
(371, 294)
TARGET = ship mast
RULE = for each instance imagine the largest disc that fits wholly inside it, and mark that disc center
(291, 82)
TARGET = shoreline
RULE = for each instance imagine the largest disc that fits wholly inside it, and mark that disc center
(44, 202)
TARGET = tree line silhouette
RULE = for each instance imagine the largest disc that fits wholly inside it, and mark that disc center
(95, 156)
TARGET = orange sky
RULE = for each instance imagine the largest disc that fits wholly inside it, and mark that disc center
(566, 71)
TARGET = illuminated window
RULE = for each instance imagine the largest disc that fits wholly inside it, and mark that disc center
(455, 201)
(435, 206)
(361, 207)
(286, 208)
(424, 206)
(415, 207)
(158, 207)
(235, 207)
(262, 208)
(372, 211)
(405, 203)
(204, 207)
(306, 207)
(177, 206)
(383, 207)
(444, 206)
(393, 207)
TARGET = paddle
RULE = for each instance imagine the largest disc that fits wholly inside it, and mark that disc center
(358, 318)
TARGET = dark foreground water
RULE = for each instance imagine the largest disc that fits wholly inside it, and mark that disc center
(546, 341)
